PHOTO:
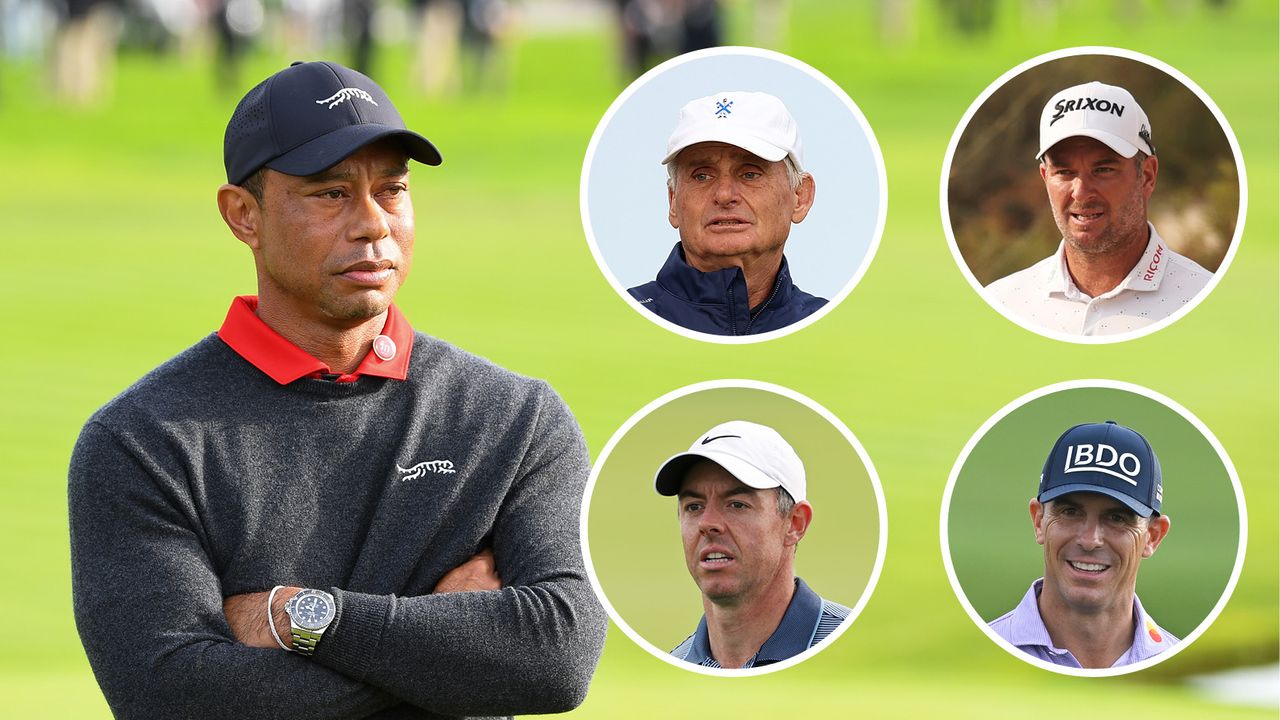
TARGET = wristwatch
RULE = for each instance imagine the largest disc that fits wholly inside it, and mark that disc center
(310, 612)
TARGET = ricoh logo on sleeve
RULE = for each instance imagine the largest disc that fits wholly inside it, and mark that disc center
(1104, 459)
(1102, 105)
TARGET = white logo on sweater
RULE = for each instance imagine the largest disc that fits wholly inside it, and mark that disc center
(337, 98)
(441, 467)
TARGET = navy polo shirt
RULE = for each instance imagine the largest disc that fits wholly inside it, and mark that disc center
(808, 621)
(716, 302)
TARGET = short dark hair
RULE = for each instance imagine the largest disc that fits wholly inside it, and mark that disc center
(785, 501)
(256, 184)
(1139, 158)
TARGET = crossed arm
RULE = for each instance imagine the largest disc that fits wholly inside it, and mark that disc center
(164, 642)
(247, 612)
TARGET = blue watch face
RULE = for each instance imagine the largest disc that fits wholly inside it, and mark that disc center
(313, 611)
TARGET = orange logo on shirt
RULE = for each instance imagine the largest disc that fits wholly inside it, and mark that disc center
(1154, 631)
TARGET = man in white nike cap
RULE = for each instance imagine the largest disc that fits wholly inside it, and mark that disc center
(742, 508)
(1112, 272)
(735, 185)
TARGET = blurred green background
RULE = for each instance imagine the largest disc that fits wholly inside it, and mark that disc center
(117, 259)
(993, 548)
(634, 533)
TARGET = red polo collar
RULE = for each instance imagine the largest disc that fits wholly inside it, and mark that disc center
(285, 362)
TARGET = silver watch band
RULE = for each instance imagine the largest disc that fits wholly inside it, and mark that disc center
(304, 641)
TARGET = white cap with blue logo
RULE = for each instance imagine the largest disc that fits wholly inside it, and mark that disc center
(754, 121)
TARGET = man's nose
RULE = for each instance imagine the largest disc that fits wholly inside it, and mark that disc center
(1083, 188)
(711, 521)
(370, 221)
(727, 190)
(1090, 535)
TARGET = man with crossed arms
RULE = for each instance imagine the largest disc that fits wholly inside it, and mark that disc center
(317, 512)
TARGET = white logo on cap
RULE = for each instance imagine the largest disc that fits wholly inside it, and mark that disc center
(345, 94)
(1104, 459)
(441, 467)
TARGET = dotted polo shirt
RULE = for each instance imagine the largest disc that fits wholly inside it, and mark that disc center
(1023, 628)
(808, 621)
(1045, 296)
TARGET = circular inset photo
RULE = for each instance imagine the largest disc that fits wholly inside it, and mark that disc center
(733, 195)
(733, 527)
(1093, 528)
(1093, 195)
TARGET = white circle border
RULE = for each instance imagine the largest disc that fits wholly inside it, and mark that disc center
(1241, 216)
(835, 90)
(1169, 403)
(598, 466)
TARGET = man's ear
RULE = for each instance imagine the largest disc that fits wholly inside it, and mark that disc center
(1037, 518)
(804, 198)
(1150, 168)
(671, 208)
(241, 212)
(1157, 529)
(798, 523)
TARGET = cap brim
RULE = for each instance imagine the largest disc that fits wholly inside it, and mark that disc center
(670, 475)
(328, 150)
(1129, 502)
(1111, 140)
(748, 142)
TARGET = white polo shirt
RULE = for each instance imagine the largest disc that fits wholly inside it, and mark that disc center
(1045, 296)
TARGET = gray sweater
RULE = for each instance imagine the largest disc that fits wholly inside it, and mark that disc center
(208, 479)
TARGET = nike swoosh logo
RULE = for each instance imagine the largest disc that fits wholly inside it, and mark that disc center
(720, 437)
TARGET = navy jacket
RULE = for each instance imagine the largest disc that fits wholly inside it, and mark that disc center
(716, 302)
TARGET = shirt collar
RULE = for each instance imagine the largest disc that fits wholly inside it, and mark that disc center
(1028, 629)
(683, 280)
(792, 636)
(1144, 277)
(285, 362)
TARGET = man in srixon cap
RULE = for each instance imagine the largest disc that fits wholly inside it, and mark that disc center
(735, 185)
(742, 508)
(1112, 272)
(1097, 514)
(317, 511)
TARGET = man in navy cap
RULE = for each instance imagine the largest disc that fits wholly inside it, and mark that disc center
(316, 511)
(1097, 514)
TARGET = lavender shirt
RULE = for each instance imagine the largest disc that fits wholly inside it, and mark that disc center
(1024, 628)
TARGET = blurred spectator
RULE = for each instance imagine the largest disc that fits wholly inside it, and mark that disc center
(483, 25)
(235, 23)
(435, 66)
(84, 52)
(655, 30)
(358, 29)
(700, 25)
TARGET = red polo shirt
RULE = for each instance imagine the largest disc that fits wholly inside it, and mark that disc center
(285, 362)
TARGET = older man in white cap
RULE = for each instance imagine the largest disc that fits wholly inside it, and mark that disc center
(735, 185)
(1112, 272)
(742, 508)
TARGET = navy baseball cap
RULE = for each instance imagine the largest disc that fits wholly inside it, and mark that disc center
(1104, 458)
(309, 117)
